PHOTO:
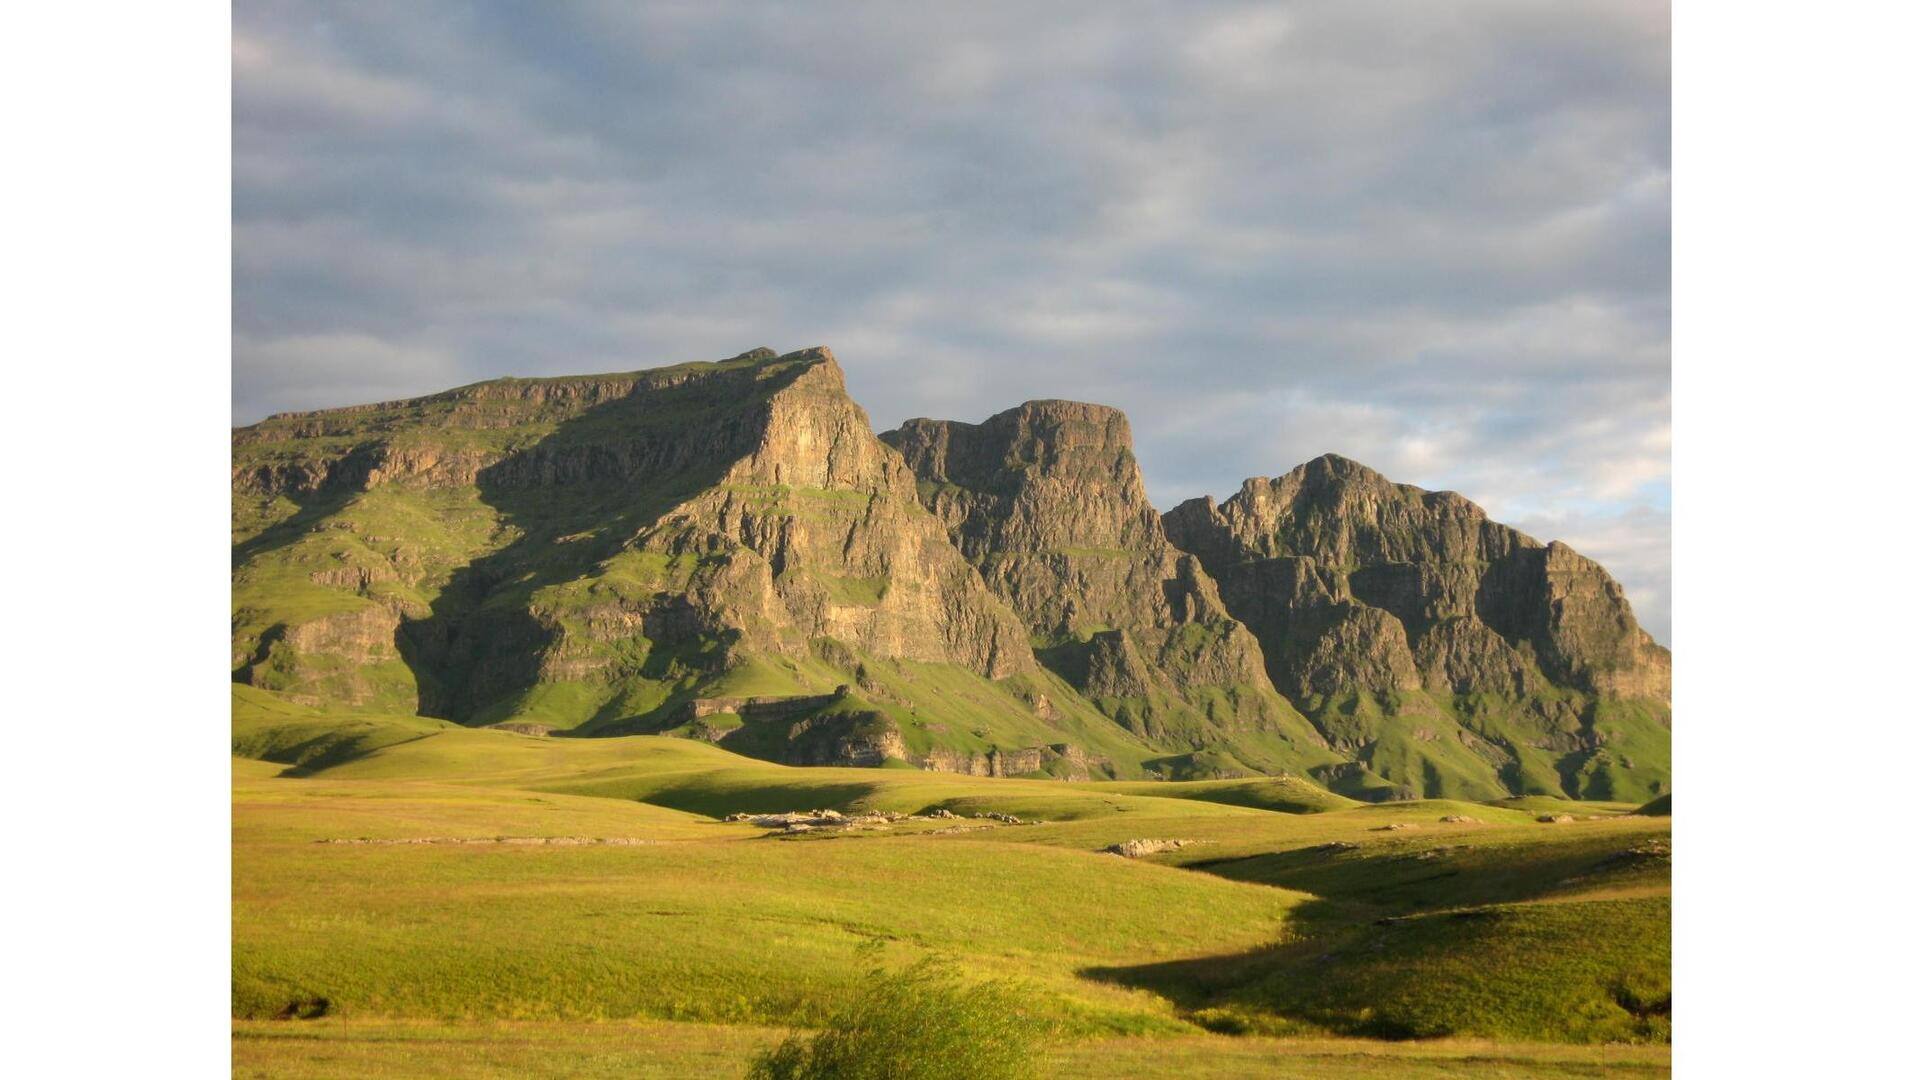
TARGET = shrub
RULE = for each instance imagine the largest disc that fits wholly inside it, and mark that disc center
(922, 1023)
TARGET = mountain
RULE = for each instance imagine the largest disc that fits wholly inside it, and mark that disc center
(690, 548)
(1047, 502)
(726, 551)
(1449, 653)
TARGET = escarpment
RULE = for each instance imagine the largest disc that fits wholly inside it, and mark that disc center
(1047, 501)
(1477, 602)
(727, 551)
(587, 553)
(1377, 601)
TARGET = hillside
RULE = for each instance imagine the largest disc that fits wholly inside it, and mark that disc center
(421, 893)
(639, 552)
(727, 552)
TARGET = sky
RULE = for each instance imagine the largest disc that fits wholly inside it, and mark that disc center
(1432, 238)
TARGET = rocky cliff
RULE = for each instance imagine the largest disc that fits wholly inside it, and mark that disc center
(726, 550)
(1405, 622)
(1046, 500)
(588, 554)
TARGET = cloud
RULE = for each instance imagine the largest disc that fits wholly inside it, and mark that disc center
(317, 371)
(1434, 238)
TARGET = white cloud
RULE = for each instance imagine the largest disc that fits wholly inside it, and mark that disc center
(1432, 238)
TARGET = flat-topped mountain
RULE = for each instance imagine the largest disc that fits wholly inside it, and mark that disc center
(727, 551)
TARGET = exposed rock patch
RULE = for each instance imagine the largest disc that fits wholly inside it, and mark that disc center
(1064, 760)
(1133, 849)
(805, 821)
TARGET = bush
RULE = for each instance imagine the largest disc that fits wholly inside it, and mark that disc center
(922, 1023)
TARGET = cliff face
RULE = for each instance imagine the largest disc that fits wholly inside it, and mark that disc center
(816, 533)
(1047, 501)
(1415, 603)
(619, 553)
(587, 553)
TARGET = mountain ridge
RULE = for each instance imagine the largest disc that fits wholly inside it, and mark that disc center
(1047, 502)
(596, 554)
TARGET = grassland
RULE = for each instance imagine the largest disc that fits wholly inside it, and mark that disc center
(1291, 921)
(333, 1049)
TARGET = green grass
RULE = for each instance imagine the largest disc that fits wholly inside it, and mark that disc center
(1289, 913)
(334, 1049)
(925, 1022)
(1485, 746)
(1284, 794)
(1660, 807)
(1597, 971)
(270, 728)
(682, 928)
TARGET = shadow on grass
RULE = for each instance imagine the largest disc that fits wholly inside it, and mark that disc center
(1221, 992)
(311, 509)
(1454, 871)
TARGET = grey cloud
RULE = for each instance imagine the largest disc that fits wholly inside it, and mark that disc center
(1434, 238)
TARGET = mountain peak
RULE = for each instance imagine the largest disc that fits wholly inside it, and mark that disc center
(1046, 500)
(1337, 463)
(1064, 408)
(1359, 586)
(1335, 468)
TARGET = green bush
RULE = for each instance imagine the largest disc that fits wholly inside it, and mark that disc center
(922, 1023)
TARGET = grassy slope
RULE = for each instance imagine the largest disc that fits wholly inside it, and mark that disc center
(679, 928)
(338, 556)
(1285, 794)
(654, 1050)
(1256, 926)
(1413, 741)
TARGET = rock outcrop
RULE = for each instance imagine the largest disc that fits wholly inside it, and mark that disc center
(1371, 597)
(1047, 501)
(1352, 580)
(596, 551)
(1061, 760)
(727, 551)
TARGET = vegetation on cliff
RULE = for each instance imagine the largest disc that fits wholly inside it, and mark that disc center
(1448, 653)
(616, 554)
